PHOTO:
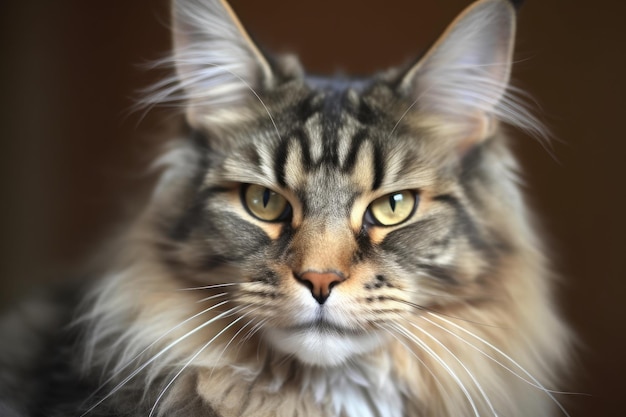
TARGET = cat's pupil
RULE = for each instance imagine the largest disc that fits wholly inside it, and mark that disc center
(266, 197)
(392, 201)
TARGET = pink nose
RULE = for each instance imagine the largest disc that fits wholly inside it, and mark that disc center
(320, 283)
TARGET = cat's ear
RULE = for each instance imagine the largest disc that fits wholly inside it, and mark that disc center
(460, 85)
(219, 68)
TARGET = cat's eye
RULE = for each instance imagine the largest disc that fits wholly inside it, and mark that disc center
(392, 209)
(265, 204)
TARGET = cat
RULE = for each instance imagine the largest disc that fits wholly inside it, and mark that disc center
(326, 247)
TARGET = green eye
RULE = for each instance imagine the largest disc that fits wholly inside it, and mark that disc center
(393, 208)
(265, 204)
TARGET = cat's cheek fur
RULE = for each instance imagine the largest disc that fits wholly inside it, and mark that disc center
(319, 347)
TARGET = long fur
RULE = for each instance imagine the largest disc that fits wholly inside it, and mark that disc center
(207, 309)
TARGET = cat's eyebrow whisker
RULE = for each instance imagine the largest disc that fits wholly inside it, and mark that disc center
(469, 373)
(424, 346)
(206, 345)
(402, 117)
(406, 112)
(161, 353)
(521, 368)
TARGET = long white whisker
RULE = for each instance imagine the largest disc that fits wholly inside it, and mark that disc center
(159, 354)
(130, 361)
(441, 362)
(492, 358)
(250, 333)
(207, 344)
(535, 380)
(480, 388)
(213, 297)
(430, 309)
(210, 287)
(232, 339)
(408, 349)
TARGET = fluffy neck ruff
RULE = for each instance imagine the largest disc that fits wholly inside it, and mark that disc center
(367, 386)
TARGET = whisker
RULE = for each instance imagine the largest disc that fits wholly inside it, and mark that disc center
(535, 380)
(441, 362)
(494, 359)
(250, 334)
(431, 310)
(210, 287)
(175, 377)
(480, 388)
(130, 361)
(408, 349)
(161, 353)
(232, 339)
(211, 297)
(402, 117)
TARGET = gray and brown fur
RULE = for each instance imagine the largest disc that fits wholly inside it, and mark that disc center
(446, 314)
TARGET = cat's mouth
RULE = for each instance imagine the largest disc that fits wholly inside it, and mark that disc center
(323, 326)
(322, 343)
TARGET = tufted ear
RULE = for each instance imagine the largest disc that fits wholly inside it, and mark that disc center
(461, 84)
(218, 68)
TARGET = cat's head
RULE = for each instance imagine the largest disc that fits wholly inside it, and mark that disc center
(329, 210)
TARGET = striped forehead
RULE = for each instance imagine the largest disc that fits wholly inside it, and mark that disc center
(330, 142)
(326, 141)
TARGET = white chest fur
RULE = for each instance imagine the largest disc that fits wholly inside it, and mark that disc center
(362, 388)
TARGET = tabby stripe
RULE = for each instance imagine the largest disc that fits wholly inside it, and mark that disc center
(439, 273)
(365, 114)
(194, 214)
(266, 276)
(306, 108)
(472, 175)
(332, 111)
(358, 139)
(379, 163)
(364, 244)
(379, 167)
(282, 154)
(305, 147)
(280, 158)
(465, 222)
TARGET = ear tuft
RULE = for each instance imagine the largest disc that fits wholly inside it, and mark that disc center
(462, 83)
(218, 67)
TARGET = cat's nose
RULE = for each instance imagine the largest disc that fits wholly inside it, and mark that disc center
(320, 283)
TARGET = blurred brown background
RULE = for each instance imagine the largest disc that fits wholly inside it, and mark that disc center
(72, 156)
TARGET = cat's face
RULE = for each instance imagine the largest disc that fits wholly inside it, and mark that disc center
(329, 212)
(337, 222)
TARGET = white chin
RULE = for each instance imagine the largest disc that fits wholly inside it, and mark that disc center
(322, 347)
